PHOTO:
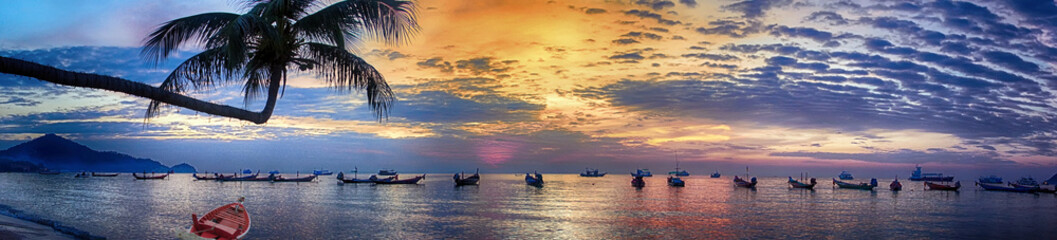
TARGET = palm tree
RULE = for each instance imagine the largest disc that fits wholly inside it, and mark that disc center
(258, 48)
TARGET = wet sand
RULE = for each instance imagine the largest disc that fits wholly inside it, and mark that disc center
(13, 228)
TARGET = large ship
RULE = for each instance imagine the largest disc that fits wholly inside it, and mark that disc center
(917, 175)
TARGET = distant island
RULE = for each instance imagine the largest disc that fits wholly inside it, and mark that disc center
(55, 153)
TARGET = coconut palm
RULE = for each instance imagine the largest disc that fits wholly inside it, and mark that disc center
(258, 49)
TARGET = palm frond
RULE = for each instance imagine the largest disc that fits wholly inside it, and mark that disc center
(199, 71)
(334, 24)
(171, 35)
(391, 21)
(346, 71)
(237, 38)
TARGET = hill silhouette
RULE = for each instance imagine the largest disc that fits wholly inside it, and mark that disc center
(57, 153)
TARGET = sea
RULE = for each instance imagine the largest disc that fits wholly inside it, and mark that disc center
(504, 207)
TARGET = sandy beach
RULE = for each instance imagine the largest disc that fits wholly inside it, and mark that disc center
(14, 228)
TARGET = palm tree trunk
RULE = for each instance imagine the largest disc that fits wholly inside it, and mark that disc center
(63, 77)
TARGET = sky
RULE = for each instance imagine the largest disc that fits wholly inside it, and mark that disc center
(781, 87)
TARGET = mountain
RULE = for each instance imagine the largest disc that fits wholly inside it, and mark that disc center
(58, 153)
(183, 168)
(7, 165)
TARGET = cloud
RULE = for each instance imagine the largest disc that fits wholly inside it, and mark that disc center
(710, 56)
(805, 32)
(754, 8)
(730, 28)
(907, 156)
(651, 15)
(595, 11)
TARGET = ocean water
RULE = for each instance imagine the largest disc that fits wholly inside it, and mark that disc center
(503, 207)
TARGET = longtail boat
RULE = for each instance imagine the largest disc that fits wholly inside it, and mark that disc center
(1000, 187)
(944, 187)
(675, 181)
(242, 178)
(471, 180)
(895, 185)
(355, 179)
(636, 181)
(863, 186)
(94, 174)
(798, 184)
(152, 176)
(745, 184)
(396, 180)
(536, 180)
(308, 178)
(230, 221)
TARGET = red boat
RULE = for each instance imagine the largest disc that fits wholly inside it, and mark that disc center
(152, 176)
(230, 221)
(936, 186)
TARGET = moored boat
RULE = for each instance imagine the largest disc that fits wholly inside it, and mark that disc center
(945, 187)
(355, 178)
(240, 179)
(990, 179)
(1004, 188)
(917, 175)
(637, 181)
(298, 178)
(247, 171)
(592, 173)
(863, 186)
(152, 176)
(677, 172)
(396, 180)
(536, 180)
(643, 172)
(895, 185)
(675, 181)
(714, 175)
(94, 174)
(461, 180)
(81, 175)
(745, 184)
(386, 172)
(845, 175)
(797, 184)
(230, 221)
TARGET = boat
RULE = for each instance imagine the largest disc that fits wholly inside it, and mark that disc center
(279, 178)
(592, 173)
(677, 172)
(152, 176)
(675, 181)
(636, 181)
(863, 186)
(206, 177)
(239, 179)
(798, 184)
(396, 180)
(323, 172)
(845, 175)
(355, 178)
(94, 174)
(1004, 188)
(247, 171)
(1029, 182)
(990, 179)
(644, 172)
(274, 172)
(536, 180)
(230, 221)
(745, 184)
(462, 180)
(1052, 180)
(917, 175)
(895, 185)
(81, 175)
(48, 172)
(715, 175)
(945, 187)
(386, 172)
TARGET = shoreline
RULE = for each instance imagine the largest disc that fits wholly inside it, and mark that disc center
(18, 225)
